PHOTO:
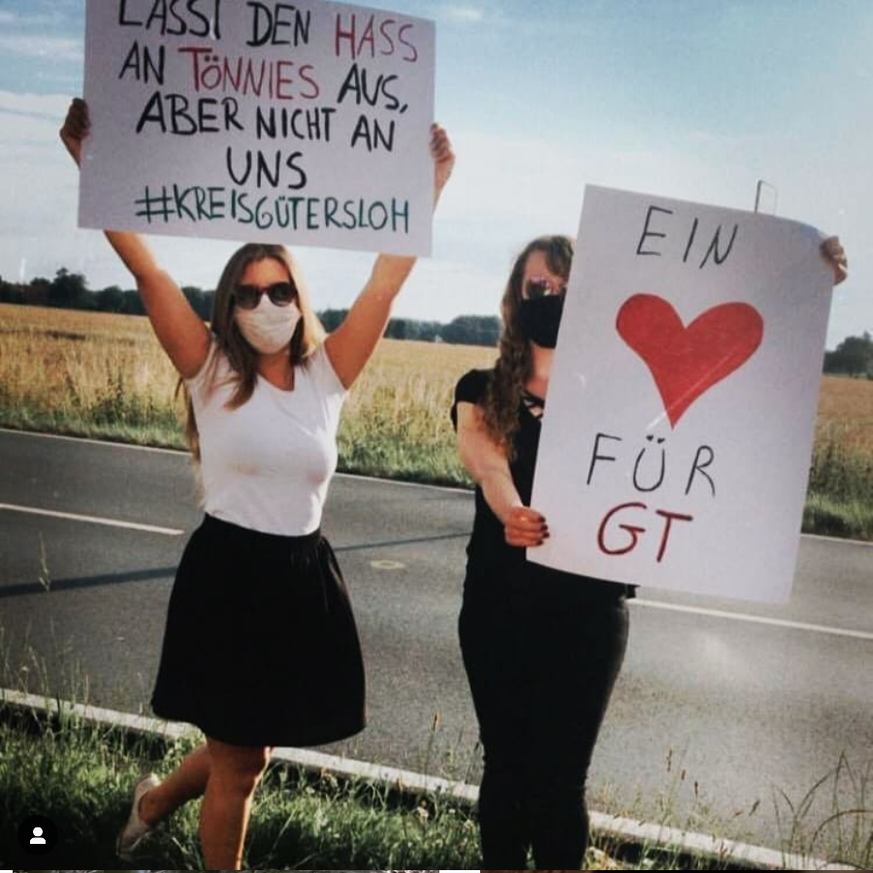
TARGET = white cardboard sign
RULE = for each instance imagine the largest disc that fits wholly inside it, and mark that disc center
(260, 120)
(677, 436)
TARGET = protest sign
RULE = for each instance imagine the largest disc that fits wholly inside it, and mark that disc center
(677, 436)
(260, 120)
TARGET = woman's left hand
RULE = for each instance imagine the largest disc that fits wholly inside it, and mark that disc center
(833, 252)
(443, 157)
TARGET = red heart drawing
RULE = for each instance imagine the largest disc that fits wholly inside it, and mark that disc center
(687, 361)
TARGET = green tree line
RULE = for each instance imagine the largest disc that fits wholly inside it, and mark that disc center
(852, 357)
(70, 291)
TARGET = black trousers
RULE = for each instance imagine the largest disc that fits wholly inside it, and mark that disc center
(542, 657)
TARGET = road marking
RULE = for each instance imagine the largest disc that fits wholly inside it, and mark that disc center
(387, 565)
(450, 489)
(115, 445)
(93, 442)
(92, 519)
(757, 619)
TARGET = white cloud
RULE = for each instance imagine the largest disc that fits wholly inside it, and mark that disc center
(37, 188)
(18, 20)
(463, 14)
(474, 14)
(538, 183)
(53, 106)
(46, 47)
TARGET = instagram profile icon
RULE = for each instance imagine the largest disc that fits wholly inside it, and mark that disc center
(37, 835)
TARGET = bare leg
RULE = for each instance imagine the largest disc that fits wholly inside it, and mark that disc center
(185, 783)
(234, 773)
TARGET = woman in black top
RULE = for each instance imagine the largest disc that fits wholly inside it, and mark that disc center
(542, 648)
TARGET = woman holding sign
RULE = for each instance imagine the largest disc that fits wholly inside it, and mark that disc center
(542, 648)
(260, 648)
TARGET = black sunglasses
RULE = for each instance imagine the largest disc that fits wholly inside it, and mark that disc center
(249, 296)
(541, 286)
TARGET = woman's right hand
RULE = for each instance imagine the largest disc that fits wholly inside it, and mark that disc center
(525, 527)
(76, 127)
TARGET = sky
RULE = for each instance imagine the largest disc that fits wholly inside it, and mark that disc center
(690, 99)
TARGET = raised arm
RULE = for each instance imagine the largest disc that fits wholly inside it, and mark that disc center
(179, 329)
(352, 344)
(486, 462)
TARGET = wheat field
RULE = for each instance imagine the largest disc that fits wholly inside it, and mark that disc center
(845, 412)
(105, 375)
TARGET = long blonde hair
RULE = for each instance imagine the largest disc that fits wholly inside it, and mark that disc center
(513, 368)
(243, 359)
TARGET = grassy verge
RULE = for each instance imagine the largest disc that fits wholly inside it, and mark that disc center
(833, 819)
(839, 500)
(80, 773)
(386, 453)
(80, 776)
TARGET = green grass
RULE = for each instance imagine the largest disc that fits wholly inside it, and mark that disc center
(391, 456)
(53, 422)
(80, 776)
(844, 831)
(839, 499)
(834, 518)
(386, 456)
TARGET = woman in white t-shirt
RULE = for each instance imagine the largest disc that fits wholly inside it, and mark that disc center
(260, 648)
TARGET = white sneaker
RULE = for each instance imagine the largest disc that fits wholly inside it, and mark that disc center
(136, 830)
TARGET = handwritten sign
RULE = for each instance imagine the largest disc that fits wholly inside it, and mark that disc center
(260, 120)
(677, 436)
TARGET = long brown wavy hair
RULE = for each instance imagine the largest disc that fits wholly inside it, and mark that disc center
(513, 368)
(243, 359)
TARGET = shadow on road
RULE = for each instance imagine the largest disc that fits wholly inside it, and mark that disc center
(412, 542)
(86, 582)
(77, 583)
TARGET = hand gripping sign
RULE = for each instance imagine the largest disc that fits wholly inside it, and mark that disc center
(679, 424)
(260, 120)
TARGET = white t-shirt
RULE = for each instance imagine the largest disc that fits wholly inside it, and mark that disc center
(266, 465)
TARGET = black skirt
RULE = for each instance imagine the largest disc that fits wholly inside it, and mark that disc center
(261, 647)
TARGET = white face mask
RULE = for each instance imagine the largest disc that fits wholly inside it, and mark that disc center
(268, 328)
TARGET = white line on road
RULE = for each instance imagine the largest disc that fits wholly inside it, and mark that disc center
(450, 489)
(92, 519)
(183, 452)
(92, 442)
(758, 619)
(716, 613)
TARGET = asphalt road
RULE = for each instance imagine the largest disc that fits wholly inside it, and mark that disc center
(720, 704)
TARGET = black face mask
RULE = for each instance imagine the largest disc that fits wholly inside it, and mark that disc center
(540, 318)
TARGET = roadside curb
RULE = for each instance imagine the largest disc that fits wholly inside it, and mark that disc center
(409, 782)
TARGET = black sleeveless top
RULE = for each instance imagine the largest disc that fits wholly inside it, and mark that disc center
(488, 553)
